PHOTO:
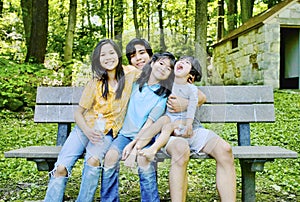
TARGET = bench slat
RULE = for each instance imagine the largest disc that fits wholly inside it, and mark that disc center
(54, 113)
(206, 113)
(240, 152)
(238, 94)
(215, 94)
(236, 113)
(55, 95)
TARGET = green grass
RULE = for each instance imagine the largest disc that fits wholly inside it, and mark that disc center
(20, 180)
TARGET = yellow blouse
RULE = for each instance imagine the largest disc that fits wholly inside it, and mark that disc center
(113, 110)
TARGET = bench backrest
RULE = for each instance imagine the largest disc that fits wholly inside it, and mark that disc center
(241, 104)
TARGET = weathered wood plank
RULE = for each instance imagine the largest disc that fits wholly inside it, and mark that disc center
(54, 113)
(206, 113)
(238, 94)
(61, 95)
(240, 152)
(236, 113)
(215, 94)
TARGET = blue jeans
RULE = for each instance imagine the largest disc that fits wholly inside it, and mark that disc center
(110, 177)
(71, 151)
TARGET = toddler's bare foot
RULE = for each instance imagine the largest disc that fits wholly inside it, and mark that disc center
(148, 153)
(130, 161)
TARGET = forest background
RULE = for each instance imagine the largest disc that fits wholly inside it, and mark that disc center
(47, 42)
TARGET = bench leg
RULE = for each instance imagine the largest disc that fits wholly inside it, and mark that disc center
(248, 182)
(44, 164)
(249, 169)
(62, 134)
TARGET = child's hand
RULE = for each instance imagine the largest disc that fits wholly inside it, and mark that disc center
(127, 150)
(180, 130)
(177, 104)
(93, 136)
(188, 132)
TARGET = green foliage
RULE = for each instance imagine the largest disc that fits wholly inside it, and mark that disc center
(12, 42)
(20, 180)
(18, 83)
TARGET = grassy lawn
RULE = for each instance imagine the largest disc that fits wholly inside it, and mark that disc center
(280, 180)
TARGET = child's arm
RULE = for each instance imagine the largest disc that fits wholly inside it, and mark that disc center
(80, 121)
(179, 104)
(146, 135)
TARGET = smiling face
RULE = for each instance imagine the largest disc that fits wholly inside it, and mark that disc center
(182, 68)
(161, 70)
(108, 57)
(140, 57)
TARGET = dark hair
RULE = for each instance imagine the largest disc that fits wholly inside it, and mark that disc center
(196, 69)
(165, 85)
(130, 49)
(100, 73)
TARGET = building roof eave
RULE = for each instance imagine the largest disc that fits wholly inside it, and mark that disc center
(255, 22)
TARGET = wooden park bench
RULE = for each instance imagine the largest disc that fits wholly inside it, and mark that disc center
(225, 104)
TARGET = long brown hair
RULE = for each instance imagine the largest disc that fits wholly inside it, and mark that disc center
(100, 73)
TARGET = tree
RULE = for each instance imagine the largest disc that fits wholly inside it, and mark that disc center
(163, 46)
(201, 34)
(246, 9)
(232, 15)
(1, 7)
(70, 31)
(135, 18)
(35, 19)
(220, 26)
(118, 21)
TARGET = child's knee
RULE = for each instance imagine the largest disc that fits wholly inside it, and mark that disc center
(61, 171)
(111, 158)
(93, 161)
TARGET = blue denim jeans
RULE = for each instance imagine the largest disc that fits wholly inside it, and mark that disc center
(73, 148)
(110, 177)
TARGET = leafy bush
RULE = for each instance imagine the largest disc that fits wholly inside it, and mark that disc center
(18, 84)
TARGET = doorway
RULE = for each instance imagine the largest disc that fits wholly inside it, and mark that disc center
(289, 58)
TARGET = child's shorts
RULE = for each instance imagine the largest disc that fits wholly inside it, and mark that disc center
(197, 141)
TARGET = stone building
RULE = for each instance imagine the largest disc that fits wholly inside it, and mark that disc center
(263, 51)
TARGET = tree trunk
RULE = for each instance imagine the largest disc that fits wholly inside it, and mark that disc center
(118, 21)
(185, 27)
(246, 9)
(232, 15)
(27, 19)
(201, 35)
(1, 7)
(102, 16)
(36, 48)
(135, 20)
(111, 17)
(163, 47)
(220, 24)
(70, 31)
(148, 20)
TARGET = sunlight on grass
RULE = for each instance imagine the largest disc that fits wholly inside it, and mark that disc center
(279, 181)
